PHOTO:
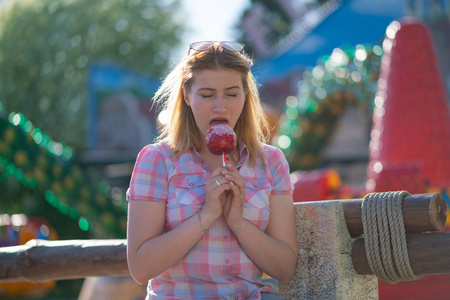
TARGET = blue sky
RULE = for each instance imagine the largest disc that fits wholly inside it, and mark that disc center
(212, 19)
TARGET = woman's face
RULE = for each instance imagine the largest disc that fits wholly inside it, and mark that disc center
(216, 96)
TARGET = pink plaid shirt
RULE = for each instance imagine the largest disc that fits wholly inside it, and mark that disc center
(216, 267)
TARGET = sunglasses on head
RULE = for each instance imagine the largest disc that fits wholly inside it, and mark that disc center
(206, 45)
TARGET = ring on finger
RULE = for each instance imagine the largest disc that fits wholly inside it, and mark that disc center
(218, 183)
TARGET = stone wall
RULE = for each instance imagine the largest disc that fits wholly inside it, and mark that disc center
(324, 266)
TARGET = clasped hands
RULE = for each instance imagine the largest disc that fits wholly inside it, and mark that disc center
(225, 194)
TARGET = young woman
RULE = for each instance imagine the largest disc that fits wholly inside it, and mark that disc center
(197, 229)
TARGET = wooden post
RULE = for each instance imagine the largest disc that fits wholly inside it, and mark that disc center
(421, 212)
(40, 260)
(429, 253)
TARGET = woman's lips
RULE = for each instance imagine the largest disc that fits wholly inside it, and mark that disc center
(218, 121)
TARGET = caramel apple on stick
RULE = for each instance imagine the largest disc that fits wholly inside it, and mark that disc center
(220, 140)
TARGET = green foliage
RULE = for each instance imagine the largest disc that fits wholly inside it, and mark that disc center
(46, 47)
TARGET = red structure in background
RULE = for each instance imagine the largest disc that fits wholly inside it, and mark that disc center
(411, 122)
(410, 141)
(315, 185)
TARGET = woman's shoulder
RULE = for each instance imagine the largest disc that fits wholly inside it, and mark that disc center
(274, 157)
(272, 151)
(159, 148)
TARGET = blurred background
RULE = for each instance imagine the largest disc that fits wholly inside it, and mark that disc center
(77, 78)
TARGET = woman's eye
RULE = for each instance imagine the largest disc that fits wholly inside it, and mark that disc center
(207, 96)
(232, 95)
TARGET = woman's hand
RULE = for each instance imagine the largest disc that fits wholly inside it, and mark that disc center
(215, 194)
(235, 197)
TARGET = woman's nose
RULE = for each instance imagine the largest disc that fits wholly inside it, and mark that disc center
(219, 104)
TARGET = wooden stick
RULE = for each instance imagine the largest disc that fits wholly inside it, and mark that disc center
(421, 212)
(40, 260)
(429, 253)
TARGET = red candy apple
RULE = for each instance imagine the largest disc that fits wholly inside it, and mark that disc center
(221, 140)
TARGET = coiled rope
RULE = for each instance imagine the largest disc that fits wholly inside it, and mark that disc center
(384, 236)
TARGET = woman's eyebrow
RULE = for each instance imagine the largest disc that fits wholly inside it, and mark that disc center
(226, 89)
(233, 87)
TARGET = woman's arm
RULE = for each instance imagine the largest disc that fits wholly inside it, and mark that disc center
(273, 251)
(150, 251)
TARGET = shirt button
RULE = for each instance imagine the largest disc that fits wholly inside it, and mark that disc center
(191, 184)
(236, 298)
(256, 186)
(225, 237)
(229, 279)
(227, 261)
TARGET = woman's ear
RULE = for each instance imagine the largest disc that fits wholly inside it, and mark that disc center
(186, 97)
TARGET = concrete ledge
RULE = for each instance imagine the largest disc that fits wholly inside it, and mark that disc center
(324, 267)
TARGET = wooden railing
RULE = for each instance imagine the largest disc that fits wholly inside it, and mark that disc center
(40, 260)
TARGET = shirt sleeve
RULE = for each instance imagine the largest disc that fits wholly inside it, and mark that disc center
(279, 167)
(149, 177)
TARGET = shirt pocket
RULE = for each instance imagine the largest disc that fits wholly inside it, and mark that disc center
(256, 206)
(190, 189)
(186, 197)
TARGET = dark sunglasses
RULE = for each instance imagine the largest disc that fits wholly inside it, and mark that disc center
(206, 45)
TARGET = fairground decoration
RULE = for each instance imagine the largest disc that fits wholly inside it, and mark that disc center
(31, 161)
(346, 77)
(410, 139)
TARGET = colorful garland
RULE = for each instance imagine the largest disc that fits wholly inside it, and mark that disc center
(38, 163)
(346, 77)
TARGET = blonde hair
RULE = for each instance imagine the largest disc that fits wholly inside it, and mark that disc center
(181, 132)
